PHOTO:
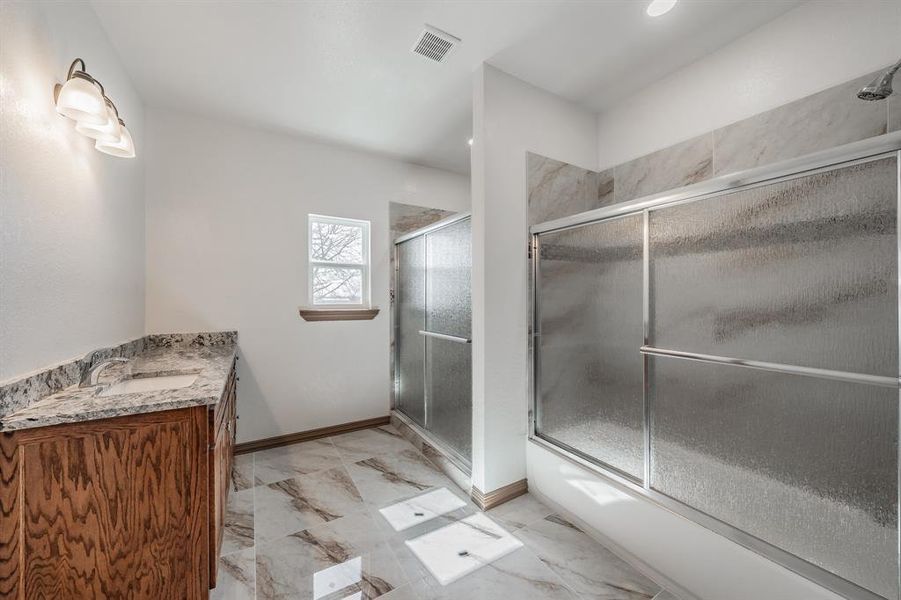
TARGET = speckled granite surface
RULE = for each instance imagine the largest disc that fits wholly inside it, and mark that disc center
(56, 395)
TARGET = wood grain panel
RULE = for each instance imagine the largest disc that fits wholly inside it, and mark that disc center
(338, 314)
(9, 517)
(222, 427)
(489, 500)
(116, 508)
(310, 434)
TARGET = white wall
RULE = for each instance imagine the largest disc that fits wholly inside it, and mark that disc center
(820, 44)
(510, 118)
(816, 46)
(71, 218)
(227, 211)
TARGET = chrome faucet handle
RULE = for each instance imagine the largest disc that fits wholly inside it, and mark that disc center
(99, 367)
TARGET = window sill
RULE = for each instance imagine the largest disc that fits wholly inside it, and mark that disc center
(338, 314)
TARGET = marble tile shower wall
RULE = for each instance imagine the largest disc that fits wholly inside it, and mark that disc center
(823, 120)
(557, 189)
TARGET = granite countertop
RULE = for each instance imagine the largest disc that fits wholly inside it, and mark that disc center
(77, 402)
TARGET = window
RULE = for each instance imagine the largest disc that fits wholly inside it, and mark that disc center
(339, 262)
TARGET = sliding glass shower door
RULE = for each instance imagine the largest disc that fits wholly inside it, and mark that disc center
(409, 302)
(433, 331)
(591, 385)
(734, 357)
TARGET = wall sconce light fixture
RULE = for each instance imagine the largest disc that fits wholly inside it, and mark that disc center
(83, 99)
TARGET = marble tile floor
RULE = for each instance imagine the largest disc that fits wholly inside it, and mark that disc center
(304, 523)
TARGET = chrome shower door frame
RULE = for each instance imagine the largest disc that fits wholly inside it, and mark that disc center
(461, 462)
(885, 146)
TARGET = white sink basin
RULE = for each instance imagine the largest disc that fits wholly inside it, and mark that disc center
(137, 385)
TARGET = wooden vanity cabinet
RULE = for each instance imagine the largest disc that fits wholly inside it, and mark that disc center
(222, 424)
(130, 507)
(114, 508)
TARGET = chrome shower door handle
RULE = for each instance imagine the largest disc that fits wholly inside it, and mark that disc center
(444, 336)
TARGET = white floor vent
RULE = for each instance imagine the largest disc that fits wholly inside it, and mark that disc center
(435, 44)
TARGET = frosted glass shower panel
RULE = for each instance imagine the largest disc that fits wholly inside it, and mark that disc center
(590, 372)
(433, 309)
(802, 272)
(449, 275)
(450, 393)
(410, 313)
(806, 464)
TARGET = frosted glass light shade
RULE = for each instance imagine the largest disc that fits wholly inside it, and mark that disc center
(110, 131)
(660, 7)
(124, 147)
(81, 100)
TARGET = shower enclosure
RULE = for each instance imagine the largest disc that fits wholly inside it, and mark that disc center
(730, 351)
(432, 333)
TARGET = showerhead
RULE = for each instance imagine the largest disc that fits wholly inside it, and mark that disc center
(881, 87)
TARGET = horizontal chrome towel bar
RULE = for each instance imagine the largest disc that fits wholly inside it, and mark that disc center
(881, 380)
(444, 336)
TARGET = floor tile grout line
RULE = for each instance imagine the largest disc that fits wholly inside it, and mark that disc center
(554, 573)
(253, 514)
(661, 589)
(406, 578)
(342, 458)
(525, 523)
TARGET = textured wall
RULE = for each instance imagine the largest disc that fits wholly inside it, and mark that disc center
(510, 119)
(817, 45)
(227, 214)
(71, 218)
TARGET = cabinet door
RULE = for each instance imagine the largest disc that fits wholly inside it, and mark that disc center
(223, 453)
(221, 459)
(106, 509)
(218, 464)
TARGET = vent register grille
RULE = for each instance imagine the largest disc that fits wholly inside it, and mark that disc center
(435, 44)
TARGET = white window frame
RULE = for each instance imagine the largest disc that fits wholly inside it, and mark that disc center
(365, 266)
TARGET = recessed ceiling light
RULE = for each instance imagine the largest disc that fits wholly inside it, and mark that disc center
(660, 7)
(469, 142)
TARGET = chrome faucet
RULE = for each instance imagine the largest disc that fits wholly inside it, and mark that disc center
(95, 371)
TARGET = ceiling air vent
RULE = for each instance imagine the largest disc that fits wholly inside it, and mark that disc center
(434, 43)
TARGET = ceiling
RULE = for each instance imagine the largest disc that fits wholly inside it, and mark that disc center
(343, 72)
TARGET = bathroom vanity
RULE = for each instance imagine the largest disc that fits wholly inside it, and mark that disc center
(116, 487)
